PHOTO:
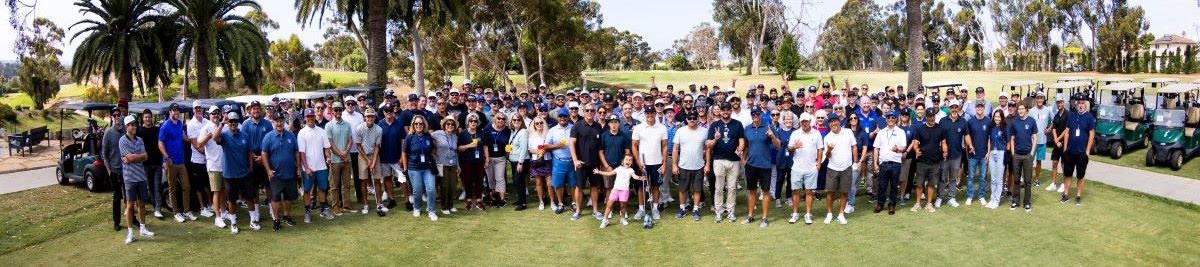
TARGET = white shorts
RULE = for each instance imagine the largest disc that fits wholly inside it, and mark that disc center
(392, 170)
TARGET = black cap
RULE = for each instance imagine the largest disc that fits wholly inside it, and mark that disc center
(174, 106)
(649, 110)
(726, 105)
(691, 116)
(930, 112)
(253, 104)
(755, 112)
(413, 97)
(1079, 96)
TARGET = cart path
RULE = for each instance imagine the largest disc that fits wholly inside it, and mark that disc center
(25, 180)
(1168, 186)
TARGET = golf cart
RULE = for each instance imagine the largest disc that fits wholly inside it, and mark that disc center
(1075, 79)
(1102, 81)
(1174, 139)
(1122, 118)
(81, 161)
(1158, 83)
(1025, 88)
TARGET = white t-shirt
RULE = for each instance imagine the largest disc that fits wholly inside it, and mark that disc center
(534, 141)
(194, 128)
(805, 158)
(650, 140)
(691, 147)
(841, 147)
(1041, 117)
(624, 174)
(888, 138)
(313, 142)
(354, 119)
(214, 158)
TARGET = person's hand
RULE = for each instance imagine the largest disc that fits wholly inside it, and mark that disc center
(717, 135)
(876, 168)
(706, 169)
(518, 169)
(270, 174)
(594, 171)
(675, 168)
(125, 160)
(770, 133)
(918, 152)
(578, 163)
(945, 155)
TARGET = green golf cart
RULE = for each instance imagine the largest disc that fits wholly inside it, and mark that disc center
(1122, 118)
(1159, 83)
(1175, 121)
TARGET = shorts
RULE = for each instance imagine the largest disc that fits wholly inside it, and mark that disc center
(392, 170)
(1056, 154)
(757, 178)
(284, 190)
(838, 181)
(539, 168)
(804, 180)
(609, 179)
(238, 188)
(563, 174)
(258, 177)
(926, 174)
(216, 182)
(1039, 153)
(619, 195)
(588, 179)
(655, 175)
(137, 191)
(364, 172)
(1075, 166)
(691, 181)
(320, 178)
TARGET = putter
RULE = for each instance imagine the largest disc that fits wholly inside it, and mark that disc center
(378, 184)
(647, 220)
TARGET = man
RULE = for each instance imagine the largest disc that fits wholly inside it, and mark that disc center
(726, 141)
(977, 146)
(340, 180)
(870, 120)
(389, 154)
(131, 154)
(1042, 116)
(1058, 131)
(235, 148)
(256, 128)
(760, 143)
(170, 144)
(1022, 142)
(649, 149)
(931, 149)
(197, 171)
(367, 137)
(841, 154)
(353, 114)
(980, 99)
(615, 143)
(148, 132)
(279, 158)
(691, 163)
(313, 145)
(808, 151)
(956, 130)
(562, 169)
(890, 144)
(111, 154)
(585, 138)
(1080, 136)
(498, 158)
(214, 161)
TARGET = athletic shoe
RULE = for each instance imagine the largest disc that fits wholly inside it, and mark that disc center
(969, 201)
(597, 215)
(640, 213)
(778, 203)
(307, 216)
(841, 218)
(654, 213)
(718, 217)
(190, 216)
(206, 212)
(624, 221)
(795, 217)
(982, 200)
(763, 224)
(145, 232)
(732, 217)
(1063, 199)
(365, 210)
(1028, 208)
(179, 217)
(994, 205)
(325, 213)
(680, 214)
(748, 220)
(416, 213)
(445, 212)
(808, 218)
(558, 210)
(954, 202)
(1051, 187)
(849, 209)
(288, 221)
(603, 223)
(254, 226)
(1013, 207)
(1062, 188)
(541, 206)
(219, 222)
(575, 216)
(433, 216)
(275, 225)
(233, 229)
(930, 208)
(1078, 201)
(1037, 183)
(129, 237)
(938, 203)
(158, 214)
(696, 215)
(828, 218)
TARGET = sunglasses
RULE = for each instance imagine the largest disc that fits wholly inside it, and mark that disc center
(472, 121)
(538, 123)
(419, 123)
(589, 110)
(774, 114)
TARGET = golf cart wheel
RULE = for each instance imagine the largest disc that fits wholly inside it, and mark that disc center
(89, 180)
(62, 178)
(1176, 160)
(1116, 150)
(1149, 157)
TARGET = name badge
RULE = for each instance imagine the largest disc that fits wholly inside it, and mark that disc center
(1076, 132)
(422, 158)
(476, 153)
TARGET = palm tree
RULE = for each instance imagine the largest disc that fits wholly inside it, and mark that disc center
(913, 13)
(123, 37)
(213, 34)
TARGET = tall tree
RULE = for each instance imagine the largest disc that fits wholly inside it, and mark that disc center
(372, 15)
(38, 49)
(214, 34)
(291, 65)
(913, 21)
(702, 45)
(747, 27)
(122, 37)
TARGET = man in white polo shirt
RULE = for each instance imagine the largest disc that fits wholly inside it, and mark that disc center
(649, 146)
(313, 145)
(840, 149)
(807, 149)
(889, 148)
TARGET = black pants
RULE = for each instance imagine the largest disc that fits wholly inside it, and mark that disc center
(886, 184)
(358, 193)
(783, 183)
(198, 177)
(117, 184)
(520, 182)
(1022, 172)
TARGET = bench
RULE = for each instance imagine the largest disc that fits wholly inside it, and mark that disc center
(24, 142)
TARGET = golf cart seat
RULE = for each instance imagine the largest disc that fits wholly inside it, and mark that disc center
(1137, 113)
(1169, 101)
(1192, 120)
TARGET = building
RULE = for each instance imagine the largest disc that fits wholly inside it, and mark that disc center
(1170, 43)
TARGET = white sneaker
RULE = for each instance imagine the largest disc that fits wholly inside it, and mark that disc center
(433, 216)
(129, 237)
(462, 195)
(365, 210)
(541, 206)
(828, 218)
(255, 226)
(969, 201)
(654, 213)
(190, 216)
(993, 205)
(842, 219)
(778, 203)
(603, 223)
(640, 213)
(624, 221)
(158, 214)
(1062, 188)
(938, 203)
(207, 212)
(179, 217)
(1050, 187)
(451, 210)
(145, 231)
(219, 222)
(233, 229)
(983, 201)
(795, 217)
(416, 213)
(849, 209)
(445, 212)
(954, 202)
(808, 218)
(382, 208)
(717, 217)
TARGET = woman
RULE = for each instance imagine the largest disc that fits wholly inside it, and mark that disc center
(861, 140)
(518, 156)
(539, 164)
(471, 158)
(997, 147)
(783, 158)
(446, 140)
(417, 158)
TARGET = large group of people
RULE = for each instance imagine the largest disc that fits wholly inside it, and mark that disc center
(477, 148)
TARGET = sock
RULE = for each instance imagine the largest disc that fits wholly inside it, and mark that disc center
(641, 207)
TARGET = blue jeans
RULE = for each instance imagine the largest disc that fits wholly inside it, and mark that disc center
(996, 167)
(976, 177)
(423, 185)
(855, 172)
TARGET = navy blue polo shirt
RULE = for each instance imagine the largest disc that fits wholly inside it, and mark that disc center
(726, 146)
(256, 131)
(1079, 126)
(281, 153)
(998, 138)
(978, 128)
(759, 145)
(171, 135)
(499, 140)
(419, 148)
(236, 149)
(473, 155)
(956, 131)
(862, 138)
(389, 141)
(614, 146)
(1022, 131)
(783, 157)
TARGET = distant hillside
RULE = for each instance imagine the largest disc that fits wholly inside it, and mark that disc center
(9, 68)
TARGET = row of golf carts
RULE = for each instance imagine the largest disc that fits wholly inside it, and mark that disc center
(80, 160)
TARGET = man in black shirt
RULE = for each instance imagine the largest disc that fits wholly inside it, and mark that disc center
(726, 141)
(148, 132)
(585, 147)
(1056, 136)
(931, 149)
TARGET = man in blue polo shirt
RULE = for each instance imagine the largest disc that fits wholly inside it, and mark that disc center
(871, 120)
(1080, 136)
(279, 158)
(256, 127)
(956, 130)
(726, 141)
(760, 140)
(170, 143)
(389, 154)
(562, 171)
(1024, 137)
(977, 151)
(235, 146)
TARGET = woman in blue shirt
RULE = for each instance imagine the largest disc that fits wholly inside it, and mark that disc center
(418, 157)
(861, 138)
(997, 146)
(783, 158)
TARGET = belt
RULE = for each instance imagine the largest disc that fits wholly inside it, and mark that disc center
(888, 162)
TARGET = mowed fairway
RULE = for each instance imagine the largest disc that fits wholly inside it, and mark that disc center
(59, 225)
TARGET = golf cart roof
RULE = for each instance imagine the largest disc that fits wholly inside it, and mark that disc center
(1125, 86)
(1073, 78)
(1020, 83)
(935, 85)
(360, 89)
(1179, 88)
(88, 106)
(1067, 85)
(306, 95)
(1115, 79)
(155, 108)
(246, 99)
(1161, 80)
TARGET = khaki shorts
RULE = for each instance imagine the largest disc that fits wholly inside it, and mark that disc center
(216, 182)
(364, 172)
(393, 170)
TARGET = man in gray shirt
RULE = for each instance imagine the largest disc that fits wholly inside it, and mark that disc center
(111, 155)
(132, 152)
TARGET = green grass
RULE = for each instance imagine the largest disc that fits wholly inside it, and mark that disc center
(338, 76)
(59, 225)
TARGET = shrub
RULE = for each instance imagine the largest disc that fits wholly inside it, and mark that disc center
(7, 113)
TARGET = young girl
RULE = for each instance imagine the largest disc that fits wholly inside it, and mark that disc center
(620, 190)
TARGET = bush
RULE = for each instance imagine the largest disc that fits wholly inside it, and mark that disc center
(100, 94)
(7, 113)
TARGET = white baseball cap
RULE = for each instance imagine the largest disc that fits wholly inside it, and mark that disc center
(130, 119)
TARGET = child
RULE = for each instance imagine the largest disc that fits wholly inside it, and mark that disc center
(620, 190)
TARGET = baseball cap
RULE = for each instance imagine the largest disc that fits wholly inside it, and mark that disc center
(196, 104)
(691, 116)
(573, 104)
(930, 112)
(369, 112)
(233, 116)
(755, 112)
(349, 99)
(214, 109)
(954, 102)
(173, 106)
(338, 105)
(613, 118)
(130, 119)
(309, 112)
(806, 117)
(563, 113)
(725, 105)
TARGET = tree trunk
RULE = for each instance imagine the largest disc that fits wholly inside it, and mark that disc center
(541, 69)
(187, 70)
(913, 8)
(202, 69)
(377, 62)
(466, 64)
(125, 80)
(418, 62)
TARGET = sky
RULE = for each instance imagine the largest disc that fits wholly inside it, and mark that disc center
(659, 22)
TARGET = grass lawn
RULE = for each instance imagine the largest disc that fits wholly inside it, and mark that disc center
(338, 76)
(59, 225)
